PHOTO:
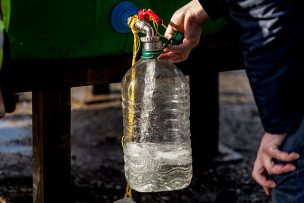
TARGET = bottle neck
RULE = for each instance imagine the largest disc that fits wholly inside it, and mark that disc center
(152, 47)
(150, 54)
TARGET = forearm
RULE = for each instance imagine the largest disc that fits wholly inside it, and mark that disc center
(271, 36)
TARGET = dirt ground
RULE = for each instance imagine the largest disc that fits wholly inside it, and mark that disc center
(97, 159)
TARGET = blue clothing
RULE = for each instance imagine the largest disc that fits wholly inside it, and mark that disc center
(271, 33)
(290, 186)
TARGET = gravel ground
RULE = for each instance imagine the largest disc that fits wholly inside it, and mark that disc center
(97, 159)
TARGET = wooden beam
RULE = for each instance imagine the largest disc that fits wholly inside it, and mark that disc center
(51, 145)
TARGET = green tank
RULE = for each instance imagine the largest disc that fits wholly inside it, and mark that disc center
(53, 29)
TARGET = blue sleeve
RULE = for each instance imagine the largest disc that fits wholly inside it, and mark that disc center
(273, 47)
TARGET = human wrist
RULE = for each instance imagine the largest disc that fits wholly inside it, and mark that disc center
(199, 12)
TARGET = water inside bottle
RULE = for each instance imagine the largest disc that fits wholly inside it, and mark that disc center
(154, 167)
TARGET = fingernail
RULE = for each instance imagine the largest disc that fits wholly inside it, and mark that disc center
(297, 155)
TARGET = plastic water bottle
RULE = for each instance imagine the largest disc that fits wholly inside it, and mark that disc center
(156, 111)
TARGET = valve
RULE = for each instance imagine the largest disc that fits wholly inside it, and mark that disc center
(176, 39)
(122, 12)
(147, 14)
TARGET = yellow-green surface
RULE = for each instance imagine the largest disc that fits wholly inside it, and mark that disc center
(49, 29)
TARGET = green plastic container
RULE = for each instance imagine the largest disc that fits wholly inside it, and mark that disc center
(52, 29)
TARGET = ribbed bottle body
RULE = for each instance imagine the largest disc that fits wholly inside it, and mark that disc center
(156, 111)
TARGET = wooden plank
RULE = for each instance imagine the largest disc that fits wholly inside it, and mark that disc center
(51, 145)
(28, 75)
(33, 74)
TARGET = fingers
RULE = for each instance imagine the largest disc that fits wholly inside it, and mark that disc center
(267, 191)
(176, 53)
(189, 20)
(173, 57)
(269, 151)
(171, 29)
(265, 166)
(274, 153)
(176, 23)
(271, 160)
(283, 156)
(274, 168)
(280, 169)
(259, 174)
(266, 184)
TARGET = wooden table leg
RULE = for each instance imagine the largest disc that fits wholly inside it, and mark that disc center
(52, 145)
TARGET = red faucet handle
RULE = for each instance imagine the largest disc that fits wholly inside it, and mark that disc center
(148, 14)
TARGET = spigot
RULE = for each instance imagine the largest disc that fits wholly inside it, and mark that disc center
(150, 40)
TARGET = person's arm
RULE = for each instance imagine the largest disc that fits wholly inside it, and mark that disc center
(270, 40)
(189, 20)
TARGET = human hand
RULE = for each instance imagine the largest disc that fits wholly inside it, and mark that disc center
(264, 164)
(189, 20)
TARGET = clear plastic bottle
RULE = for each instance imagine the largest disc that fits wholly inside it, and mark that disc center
(156, 111)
